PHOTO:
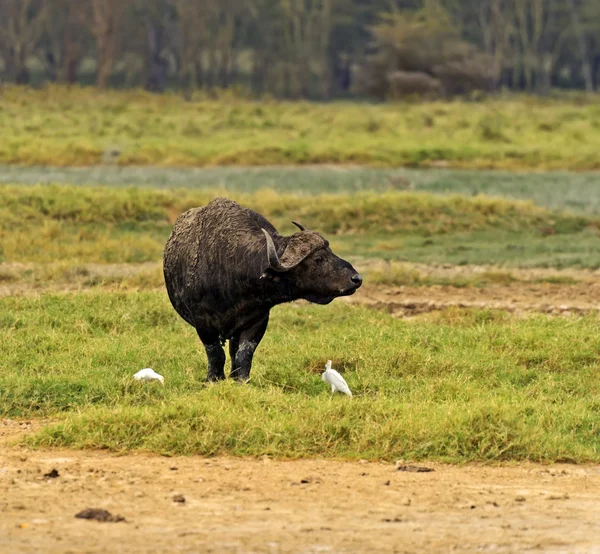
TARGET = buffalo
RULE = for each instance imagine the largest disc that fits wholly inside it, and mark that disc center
(226, 266)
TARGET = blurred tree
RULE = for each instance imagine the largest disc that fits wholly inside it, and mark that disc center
(189, 41)
(590, 18)
(264, 36)
(21, 27)
(308, 48)
(306, 26)
(582, 41)
(350, 36)
(104, 19)
(64, 40)
(534, 25)
(208, 40)
(496, 29)
(155, 19)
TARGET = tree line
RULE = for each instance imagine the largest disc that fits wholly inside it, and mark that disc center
(304, 48)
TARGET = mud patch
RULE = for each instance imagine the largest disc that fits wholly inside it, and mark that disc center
(414, 469)
(99, 515)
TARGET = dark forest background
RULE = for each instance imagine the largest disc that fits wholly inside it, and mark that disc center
(305, 48)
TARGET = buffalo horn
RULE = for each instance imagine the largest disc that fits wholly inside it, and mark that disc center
(274, 262)
(301, 227)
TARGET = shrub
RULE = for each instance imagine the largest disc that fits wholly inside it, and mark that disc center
(422, 53)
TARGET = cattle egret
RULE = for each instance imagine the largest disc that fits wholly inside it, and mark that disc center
(148, 374)
(336, 381)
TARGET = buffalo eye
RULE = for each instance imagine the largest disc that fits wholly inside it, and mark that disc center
(319, 260)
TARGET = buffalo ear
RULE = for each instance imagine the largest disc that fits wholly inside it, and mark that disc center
(300, 246)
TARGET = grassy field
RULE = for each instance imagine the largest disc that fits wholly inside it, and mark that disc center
(66, 226)
(76, 126)
(456, 386)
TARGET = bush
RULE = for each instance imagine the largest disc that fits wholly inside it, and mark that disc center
(407, 83)
(463, 76)
(422, 53)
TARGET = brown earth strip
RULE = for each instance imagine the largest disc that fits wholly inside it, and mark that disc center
(520, 291)
(517, 298)
(267, 506)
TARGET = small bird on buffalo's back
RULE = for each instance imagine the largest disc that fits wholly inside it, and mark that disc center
(336, 381)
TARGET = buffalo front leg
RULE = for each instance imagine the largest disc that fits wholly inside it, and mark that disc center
(214, 353)
(245, 344)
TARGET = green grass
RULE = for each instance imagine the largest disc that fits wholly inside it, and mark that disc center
(558, 190)
(53, 224)
(454, 386)
(77, 126)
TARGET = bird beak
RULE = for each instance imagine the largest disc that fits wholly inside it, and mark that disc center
(162, 381)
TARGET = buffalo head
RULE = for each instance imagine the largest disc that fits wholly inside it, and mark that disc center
(310, 268)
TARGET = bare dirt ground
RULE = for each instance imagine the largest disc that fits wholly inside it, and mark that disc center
(528, 293)
(519, 298)
(265, 506)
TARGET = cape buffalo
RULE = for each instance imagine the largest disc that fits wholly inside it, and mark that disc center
(226, 266)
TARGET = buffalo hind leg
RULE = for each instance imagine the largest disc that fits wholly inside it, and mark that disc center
(214, 353)
(245, 344)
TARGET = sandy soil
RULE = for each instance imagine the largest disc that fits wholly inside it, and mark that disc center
(310, 506)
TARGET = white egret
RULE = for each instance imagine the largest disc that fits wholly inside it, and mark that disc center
(336, 381)
(148, 374)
